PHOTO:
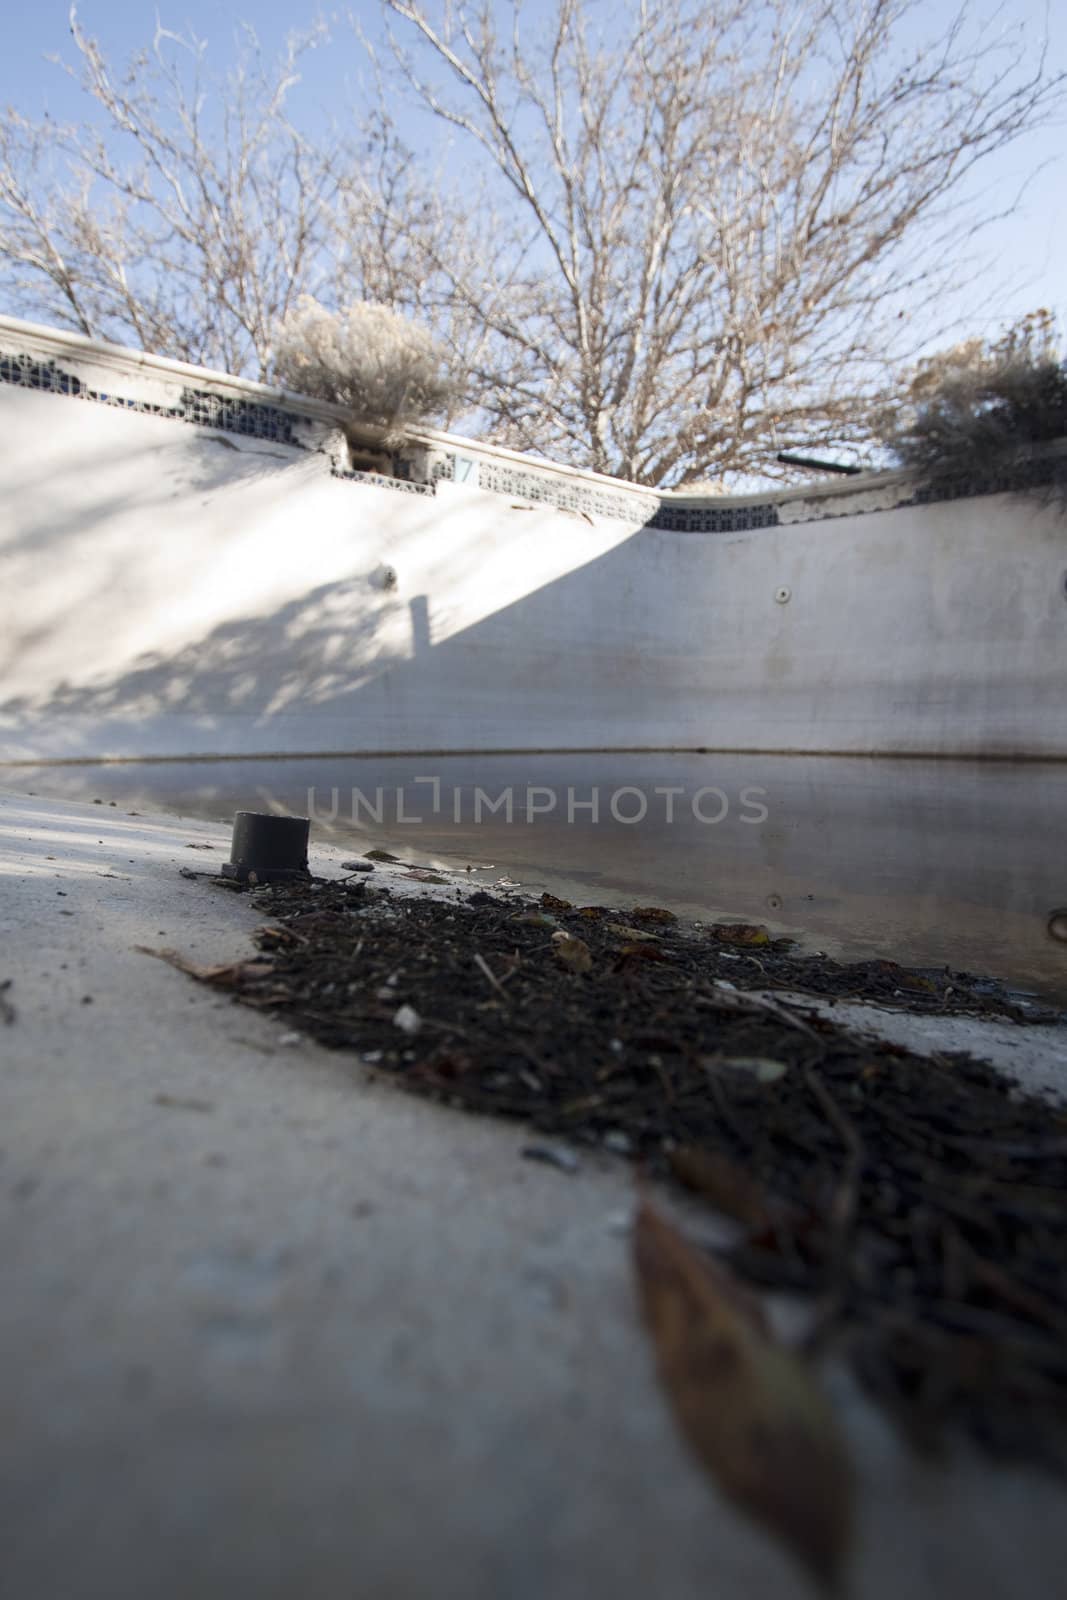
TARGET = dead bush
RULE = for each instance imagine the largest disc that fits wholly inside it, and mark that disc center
(984, 409)
(385, 370)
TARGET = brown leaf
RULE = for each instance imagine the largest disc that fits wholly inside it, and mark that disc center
(536, 919)
(178, 1102)
(652, 914)
(271, 937)
(642, 952)
(449, 1065)
(229, 975)
(574, 954)
(916, 982)
(748, 1408)
(730, 1187)
(739, 933)
(551, 902)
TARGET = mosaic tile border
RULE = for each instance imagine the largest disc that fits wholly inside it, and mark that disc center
(250, 418)
(258, 420)
(546, 489)
(741, 519)
(381, 481)
(254, 419)
(714, 519)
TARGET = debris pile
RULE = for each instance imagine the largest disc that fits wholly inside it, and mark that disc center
(918, 1203)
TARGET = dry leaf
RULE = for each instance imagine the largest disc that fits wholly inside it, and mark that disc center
(652, 914)
(270, 937)
(642, 952)
(229, 975)
(537, 919)
(176, 1102)
(551, 902)
(748, 1408)
(623, 930)
(739, 933)
(730, 1187)
(574, 954)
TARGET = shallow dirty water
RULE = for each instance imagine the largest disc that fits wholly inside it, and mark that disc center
(926, 862)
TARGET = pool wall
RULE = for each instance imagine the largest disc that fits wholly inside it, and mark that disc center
(194, 565)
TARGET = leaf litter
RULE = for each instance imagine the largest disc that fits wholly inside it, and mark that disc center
(749, 1408)
(917, 1203)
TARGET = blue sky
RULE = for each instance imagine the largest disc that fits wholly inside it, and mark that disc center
(38, 30)
(1029, 250)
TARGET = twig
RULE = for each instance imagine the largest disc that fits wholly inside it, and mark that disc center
(549, 1070)
(746, 1001)
(1016, 1295)
(843, 1211)
(484, 967)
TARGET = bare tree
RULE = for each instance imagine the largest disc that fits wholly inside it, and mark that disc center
(667, 238)
(191, 213)
(716, 216)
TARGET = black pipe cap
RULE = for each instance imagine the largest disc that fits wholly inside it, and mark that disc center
(267, 849)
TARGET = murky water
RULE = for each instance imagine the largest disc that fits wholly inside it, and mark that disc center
(930, 862)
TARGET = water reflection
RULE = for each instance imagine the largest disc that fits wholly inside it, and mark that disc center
(931, 862)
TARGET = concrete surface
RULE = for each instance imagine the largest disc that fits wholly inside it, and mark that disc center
(1036, 1057)
(166, 589)
(268, 1329)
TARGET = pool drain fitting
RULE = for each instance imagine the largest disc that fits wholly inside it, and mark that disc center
(267, 849)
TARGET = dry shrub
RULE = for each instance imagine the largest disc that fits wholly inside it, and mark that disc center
(385, 370)
(983, 408)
